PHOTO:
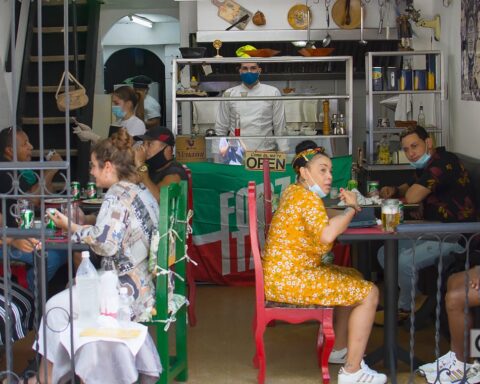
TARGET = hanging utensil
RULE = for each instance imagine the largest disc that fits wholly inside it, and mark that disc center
(381, 11)
(387, 28)
(347, 13)
(327, 39)
(310, 43)
(243, 19)
(362, 41)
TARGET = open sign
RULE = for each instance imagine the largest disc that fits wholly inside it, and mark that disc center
(254, 160)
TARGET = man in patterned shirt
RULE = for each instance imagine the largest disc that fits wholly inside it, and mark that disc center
(442, 188)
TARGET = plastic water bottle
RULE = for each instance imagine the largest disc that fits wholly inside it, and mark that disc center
(124, 310)
(87, 291)
(109, 291)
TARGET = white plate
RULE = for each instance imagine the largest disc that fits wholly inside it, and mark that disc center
(59, 200)
(93, 201)
(309, 132)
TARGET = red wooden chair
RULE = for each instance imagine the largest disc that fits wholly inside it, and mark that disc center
(342, 255)
(265, 312)
(267, 196)
(19, 271)
(192, 287)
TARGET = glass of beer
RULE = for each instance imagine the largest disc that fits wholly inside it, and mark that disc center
(390, 214)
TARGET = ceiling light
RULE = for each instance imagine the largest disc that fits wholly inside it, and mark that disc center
(141, 21)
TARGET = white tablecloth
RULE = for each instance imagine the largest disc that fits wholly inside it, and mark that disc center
(108, 362)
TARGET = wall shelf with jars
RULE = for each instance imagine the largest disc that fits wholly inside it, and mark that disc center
(194, 108)
(411, 92)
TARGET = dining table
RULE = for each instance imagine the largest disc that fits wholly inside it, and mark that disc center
(390, 352)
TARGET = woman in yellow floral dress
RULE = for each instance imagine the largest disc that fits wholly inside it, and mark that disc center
(300, 234)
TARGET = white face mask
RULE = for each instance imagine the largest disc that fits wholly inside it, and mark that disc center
(315, 188)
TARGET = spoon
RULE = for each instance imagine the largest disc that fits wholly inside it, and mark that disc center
(362, 41)
(327, 39)
(310, 43)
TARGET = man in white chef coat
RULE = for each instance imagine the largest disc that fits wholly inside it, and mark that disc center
(260, 118)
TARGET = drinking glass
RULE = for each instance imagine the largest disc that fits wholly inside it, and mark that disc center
(74, 213)
(390, 214)
(334, 193)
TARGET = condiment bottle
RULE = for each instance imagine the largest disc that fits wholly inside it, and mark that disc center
(334, 124)
(237, 125)
(326, 117)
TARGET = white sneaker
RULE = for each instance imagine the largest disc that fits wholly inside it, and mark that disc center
(454, 373)
(363, 375)
(443, 361)
(338, 356)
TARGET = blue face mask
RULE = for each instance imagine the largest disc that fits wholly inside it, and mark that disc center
(118, 112)
(420, 163)
(249, 78)
(315, 188)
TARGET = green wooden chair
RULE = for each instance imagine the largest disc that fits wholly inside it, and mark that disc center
(172, 230)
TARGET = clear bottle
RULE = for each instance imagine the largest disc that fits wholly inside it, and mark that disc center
(334, 124)
(341, 128)
(87, 291)
(124, 313)
(421, 117)
(108, 291)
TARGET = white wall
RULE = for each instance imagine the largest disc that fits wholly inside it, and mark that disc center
(464, 115)
(163, 40)
(131, 34)
(276, 13)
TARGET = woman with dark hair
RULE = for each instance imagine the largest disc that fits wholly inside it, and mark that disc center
(121, 236)
(128, 109)
(300, 234)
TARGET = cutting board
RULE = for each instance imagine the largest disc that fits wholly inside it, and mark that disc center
(231, 12)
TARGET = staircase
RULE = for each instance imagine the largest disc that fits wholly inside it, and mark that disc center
(83, 36)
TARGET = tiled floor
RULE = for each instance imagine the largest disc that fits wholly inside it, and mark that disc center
(221, 345)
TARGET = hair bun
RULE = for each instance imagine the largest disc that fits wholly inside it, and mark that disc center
(122, 140)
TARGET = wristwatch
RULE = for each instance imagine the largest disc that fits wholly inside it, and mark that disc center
(142, 168)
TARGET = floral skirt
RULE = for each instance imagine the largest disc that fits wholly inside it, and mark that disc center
(326, 285)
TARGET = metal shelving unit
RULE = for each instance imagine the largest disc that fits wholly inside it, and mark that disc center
(183, 103)
(440, 128)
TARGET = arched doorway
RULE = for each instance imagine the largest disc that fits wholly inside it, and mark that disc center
(130, 62)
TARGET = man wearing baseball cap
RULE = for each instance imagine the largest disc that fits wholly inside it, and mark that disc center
(155, 162)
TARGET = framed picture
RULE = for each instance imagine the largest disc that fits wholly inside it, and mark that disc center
(470, 46)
